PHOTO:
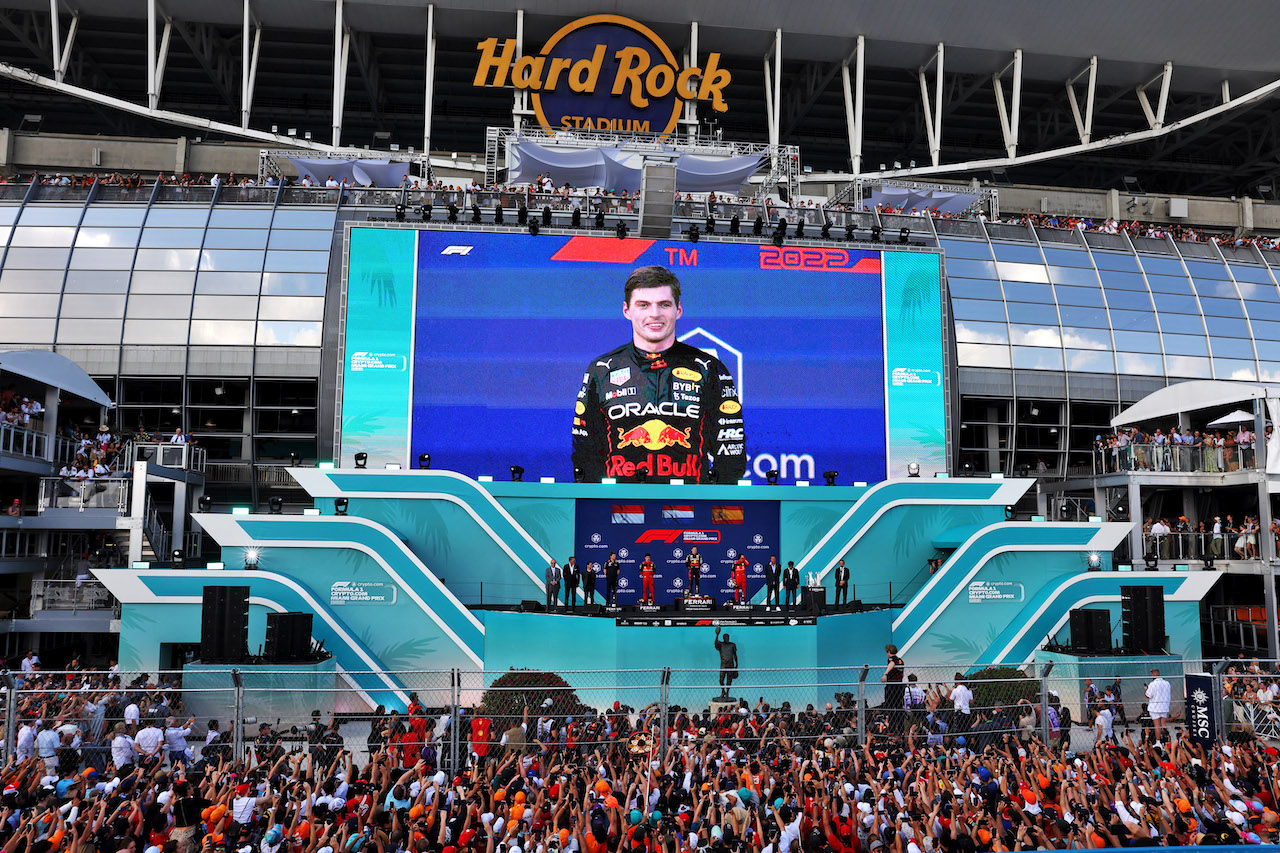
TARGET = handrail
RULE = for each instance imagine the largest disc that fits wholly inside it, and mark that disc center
(21, 441)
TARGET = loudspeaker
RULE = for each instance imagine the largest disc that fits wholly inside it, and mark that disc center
(591, 609)
(1090, 631)
(224, 624)
(529, 606)
(1142, 618)
(288, 637)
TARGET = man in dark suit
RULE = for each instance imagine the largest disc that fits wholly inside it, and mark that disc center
(589, 583)
(842, 583)
(611, 569)
(790, 583)
(572, 574)
(772, 577)
(553, 584)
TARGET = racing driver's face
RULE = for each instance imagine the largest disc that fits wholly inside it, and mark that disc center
(653, 312)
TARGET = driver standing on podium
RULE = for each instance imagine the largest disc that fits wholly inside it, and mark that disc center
(656, 409)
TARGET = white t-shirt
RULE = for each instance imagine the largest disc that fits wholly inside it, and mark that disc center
(1103, 723)
(961, 696)
(122, 750)
(149, 740)
(131, 713)
(1158, 694)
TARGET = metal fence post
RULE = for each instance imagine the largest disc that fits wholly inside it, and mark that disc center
(862, 703)
(1044, 703)
(10, 715)
(1221, 716)
(237, 717)
(664, 698)
(455, 720)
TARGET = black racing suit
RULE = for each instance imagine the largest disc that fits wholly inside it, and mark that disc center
(660, 414)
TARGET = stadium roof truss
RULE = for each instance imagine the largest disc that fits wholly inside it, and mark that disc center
(948, 95)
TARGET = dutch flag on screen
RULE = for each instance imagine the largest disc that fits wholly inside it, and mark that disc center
(628, 513)
(677, 512)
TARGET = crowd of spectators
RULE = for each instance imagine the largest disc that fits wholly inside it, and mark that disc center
(101, 765)
(1223, 535)
(20, 411)
(1175, 449)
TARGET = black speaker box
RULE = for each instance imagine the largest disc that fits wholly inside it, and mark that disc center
(224, 624)
(1090, 631)
(288, 637)
(528, 606)
(1142, 618)
(591, 609)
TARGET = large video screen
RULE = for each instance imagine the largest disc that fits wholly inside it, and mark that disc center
(473, 347)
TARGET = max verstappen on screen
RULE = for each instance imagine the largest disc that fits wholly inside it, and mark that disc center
(655, 407)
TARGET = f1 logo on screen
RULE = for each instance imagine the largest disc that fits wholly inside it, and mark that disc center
(603, 72)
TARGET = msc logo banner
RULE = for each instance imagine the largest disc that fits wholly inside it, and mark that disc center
(603, 72)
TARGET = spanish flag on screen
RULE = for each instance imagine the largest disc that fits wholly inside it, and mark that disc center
(628, 513)
(726, 514)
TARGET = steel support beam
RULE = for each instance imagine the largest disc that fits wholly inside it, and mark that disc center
(1155, 118)
(429, 94)
(214, 55)
(853, 103)
(517, 105)
(341, 51)
(814, 79)
(933, 114)
(1009, 116)
(1084, 126)
(248, 63)
(691, 105)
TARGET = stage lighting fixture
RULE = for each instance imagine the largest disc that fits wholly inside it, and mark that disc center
(826, 230)
(757, 227)
(177, 558)
(620, 229)
(772, 476)
(693, 233)
(830, 477)
(876, 231)
(522, 214)
(576, 219)
(400, 212)
(735, 225)
(205, 503)
(340, 506)
(546, 215)
(517, 474)
(453, 212)
(600, 219)
(475, 214)
(904, 236)
(711, 225)
(913, 469)
(1095, 562)
(497, 214)
(276, 505)
(779, 237)
(1010, 513)
(425, 212)
(362, 459)
(578, 474)
(848, 232)
(1207, 559)
(250, 558)
(799, 229)
(713, 475)
(642, 476)
(424, 461)
(1152, 561)
(533, 228)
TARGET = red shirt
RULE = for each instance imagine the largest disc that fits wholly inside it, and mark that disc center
(480, 736)
(646, 567)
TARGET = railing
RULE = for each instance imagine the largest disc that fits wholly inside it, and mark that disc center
(1238, 627)
(67, 493)
(1188, 545)
(22, 442)
(309, 195)
(246, 194)
(58, 192)
(185, 195)
(19, 544)
(119, 193)
(65, 449)
(13, 192)
(275, 475)
(228, 472)
(70, 595)
(187, 456)
(1173, 458)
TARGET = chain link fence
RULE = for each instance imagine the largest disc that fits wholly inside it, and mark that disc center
(446, 717)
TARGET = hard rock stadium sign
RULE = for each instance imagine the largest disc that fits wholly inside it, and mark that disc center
(603, 72)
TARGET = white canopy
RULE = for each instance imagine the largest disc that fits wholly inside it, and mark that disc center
(53, 370)
(1192, 396)
(1239, 416)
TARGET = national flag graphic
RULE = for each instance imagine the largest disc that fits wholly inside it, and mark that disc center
(677, 512)
(726, 514)
(628, 513)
